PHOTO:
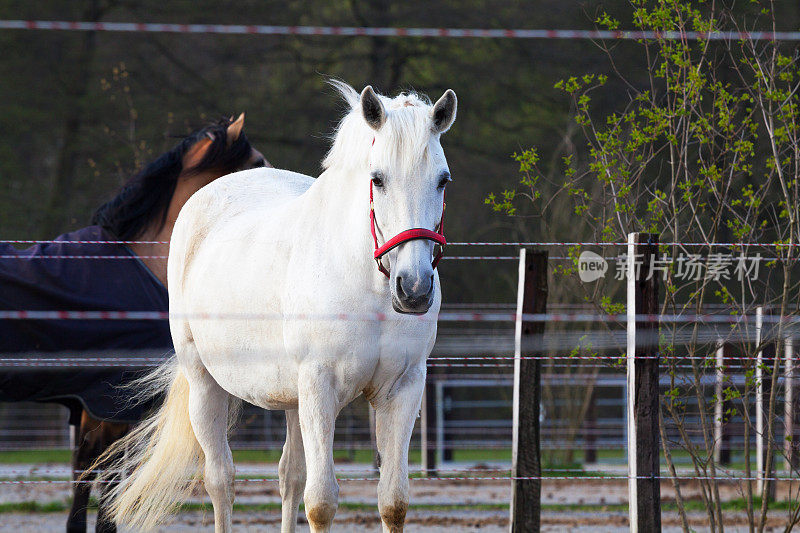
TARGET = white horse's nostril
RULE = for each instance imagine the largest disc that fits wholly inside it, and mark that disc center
(412, 289)
(400, 292)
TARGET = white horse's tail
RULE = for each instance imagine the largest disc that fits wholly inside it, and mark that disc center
(159, 461)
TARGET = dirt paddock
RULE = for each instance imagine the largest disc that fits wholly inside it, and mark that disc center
(418, 521)
(437, 506)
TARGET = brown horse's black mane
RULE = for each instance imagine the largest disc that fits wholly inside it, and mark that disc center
(146, 196)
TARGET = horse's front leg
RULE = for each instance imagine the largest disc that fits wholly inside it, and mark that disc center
(394, 422)
(317, 410)
(292, 472)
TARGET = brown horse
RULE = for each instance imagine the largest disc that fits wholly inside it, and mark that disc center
(146, 210)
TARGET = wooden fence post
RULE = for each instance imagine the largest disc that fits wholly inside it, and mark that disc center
(644, 489)
(428, 427)
(525, 451)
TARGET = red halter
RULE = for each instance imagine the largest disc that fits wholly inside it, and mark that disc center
(405, 236)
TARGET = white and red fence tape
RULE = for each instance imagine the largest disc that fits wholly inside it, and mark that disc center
(364, 31)
(452, 478)
(445, 316)
(476, 243)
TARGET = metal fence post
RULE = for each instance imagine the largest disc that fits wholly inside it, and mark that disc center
(428, 428)
(790, 409)
(440, 423)
(373, 441)
(759, 400)
(590, 428)
(722, 437)
(765, 359)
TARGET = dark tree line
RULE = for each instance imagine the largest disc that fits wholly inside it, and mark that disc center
(81, 110)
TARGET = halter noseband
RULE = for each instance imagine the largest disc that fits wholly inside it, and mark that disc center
(412, 234)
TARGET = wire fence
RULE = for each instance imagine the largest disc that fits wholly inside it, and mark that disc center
(485, 366)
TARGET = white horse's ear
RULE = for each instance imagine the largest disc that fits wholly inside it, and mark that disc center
(444, 112)
(372, 108)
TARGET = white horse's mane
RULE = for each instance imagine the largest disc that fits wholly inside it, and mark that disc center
(407, 131)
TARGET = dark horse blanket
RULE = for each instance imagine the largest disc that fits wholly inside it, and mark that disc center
(32, 281)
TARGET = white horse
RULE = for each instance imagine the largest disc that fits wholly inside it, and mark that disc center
(283, 244)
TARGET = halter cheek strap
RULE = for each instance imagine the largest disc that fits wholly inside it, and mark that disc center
(405, 236)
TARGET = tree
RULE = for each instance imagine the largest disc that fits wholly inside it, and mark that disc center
(706, 150)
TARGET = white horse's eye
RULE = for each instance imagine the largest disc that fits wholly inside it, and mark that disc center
(377, 179)
(444, 179)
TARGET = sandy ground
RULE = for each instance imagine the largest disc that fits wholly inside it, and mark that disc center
(417, 522)
(464, 493)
